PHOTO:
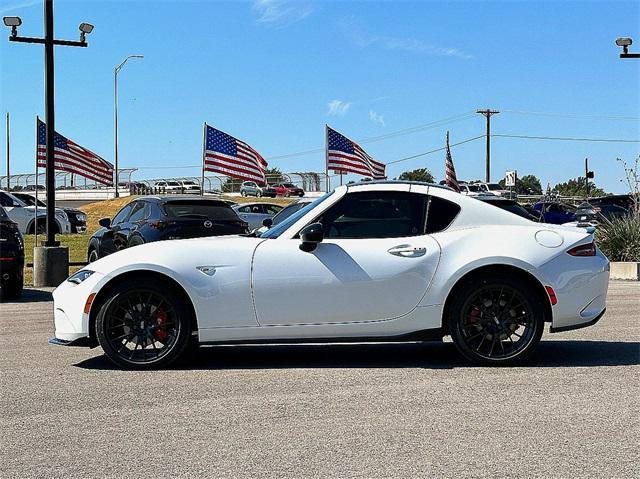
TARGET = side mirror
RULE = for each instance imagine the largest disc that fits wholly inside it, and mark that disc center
(311, 235)
(267, 222)
(104, 222)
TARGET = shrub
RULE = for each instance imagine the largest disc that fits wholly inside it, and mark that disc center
(619, 238)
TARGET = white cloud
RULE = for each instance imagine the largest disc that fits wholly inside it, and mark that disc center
(338, 107)
(363, 39)
(19, 5)
(376, 118)
(281, 13)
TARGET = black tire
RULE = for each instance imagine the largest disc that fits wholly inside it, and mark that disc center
(143, 314)
(92, 255)
(496, 321)
(42, 227)
(243, 194)
(136, 241)
(12, 288)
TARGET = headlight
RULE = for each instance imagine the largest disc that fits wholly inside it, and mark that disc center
(80, 276)
(81, 217)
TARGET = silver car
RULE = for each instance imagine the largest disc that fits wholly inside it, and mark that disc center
(256, 213)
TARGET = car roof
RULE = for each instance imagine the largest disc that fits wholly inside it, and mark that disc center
(397, 182)
(165, 198)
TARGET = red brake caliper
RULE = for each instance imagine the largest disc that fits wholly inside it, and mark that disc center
(161, 333)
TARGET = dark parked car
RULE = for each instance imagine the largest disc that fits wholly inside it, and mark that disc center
(11, 258)
(155, 218)
(555, 213)
(587, 214)
(508, 205)
(623, 201)
(77, 218)
(287, 189)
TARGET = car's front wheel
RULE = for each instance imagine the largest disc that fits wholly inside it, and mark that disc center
(496, 321)
(143, 326)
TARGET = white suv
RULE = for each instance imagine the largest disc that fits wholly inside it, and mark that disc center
(496, 189)
(25, 215)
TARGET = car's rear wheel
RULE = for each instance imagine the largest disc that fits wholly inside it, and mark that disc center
(496, 321)
(143, 327)
(243, 193)
(12, 287)
(258, 194)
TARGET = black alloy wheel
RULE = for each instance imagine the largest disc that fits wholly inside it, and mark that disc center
(496, 321)
(143, 327)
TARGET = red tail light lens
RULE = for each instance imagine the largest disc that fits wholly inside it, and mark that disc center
(588, 249)
(552, 295)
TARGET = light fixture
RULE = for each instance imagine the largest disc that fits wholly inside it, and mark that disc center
(624, 42)
(14, 23)
(85, 29)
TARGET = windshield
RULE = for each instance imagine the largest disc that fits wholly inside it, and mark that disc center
(215, 210)
(474, 188)
(188, 183)
(173, 183)
(494, 187)
(276, 231)
(288, 211)
(288, 185)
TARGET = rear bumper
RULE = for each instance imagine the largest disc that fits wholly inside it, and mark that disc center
(560, 329)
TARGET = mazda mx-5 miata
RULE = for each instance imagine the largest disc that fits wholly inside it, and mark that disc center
(373, 261)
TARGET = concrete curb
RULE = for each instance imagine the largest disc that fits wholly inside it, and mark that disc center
(626, 270)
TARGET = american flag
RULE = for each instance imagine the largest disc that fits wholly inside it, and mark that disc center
(72, 158)
(450, 172)
(344, 155)
(232, 157)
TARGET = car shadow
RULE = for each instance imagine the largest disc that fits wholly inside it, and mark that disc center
(31, 296)
(562, 353)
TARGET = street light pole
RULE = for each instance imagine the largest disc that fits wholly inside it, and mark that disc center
(50, 262)
(116, 70)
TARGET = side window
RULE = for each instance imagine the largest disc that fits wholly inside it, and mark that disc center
(139, 212)
(272, 209)
(440, 214)
(122, 215)
(244, 209)
(5, 200)
(392, 214)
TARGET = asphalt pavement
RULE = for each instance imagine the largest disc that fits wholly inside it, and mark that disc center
(413, 410)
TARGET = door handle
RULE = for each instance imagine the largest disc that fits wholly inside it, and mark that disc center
(407, 251)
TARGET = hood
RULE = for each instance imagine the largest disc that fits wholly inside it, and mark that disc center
(176, 256)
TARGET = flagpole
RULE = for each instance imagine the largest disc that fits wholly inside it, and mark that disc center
(35, 221)
(326, 158)
(204, 148)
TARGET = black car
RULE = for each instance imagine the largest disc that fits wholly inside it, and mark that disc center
(623, 201)
(587, 213)
(77, 218)
(155, 218)
(508, 205)
(11, 258)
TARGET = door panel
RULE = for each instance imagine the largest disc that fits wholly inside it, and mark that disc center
(343, 280)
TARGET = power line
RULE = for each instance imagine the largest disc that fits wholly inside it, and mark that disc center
(434, 151)
(564, 138)
(573, 115)
(406, 131)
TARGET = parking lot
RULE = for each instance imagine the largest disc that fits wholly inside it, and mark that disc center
(413, 410)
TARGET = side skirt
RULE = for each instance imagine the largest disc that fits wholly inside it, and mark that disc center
(424, 335)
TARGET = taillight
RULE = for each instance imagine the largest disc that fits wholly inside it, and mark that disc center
(588, 249)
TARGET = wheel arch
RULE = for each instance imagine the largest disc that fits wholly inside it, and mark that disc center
(43, 218)
(499, 269)
(102, 294)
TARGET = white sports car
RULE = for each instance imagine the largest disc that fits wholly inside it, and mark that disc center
(376, 261)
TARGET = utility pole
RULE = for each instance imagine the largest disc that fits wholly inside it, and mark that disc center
(487, 113)
(8, 157)
(51, 261)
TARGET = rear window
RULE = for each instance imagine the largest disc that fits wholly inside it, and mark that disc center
(440, 214)
(200, 209)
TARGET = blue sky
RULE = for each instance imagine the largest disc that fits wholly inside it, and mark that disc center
(274, 72)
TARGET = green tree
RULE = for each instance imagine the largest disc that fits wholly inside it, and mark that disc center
(421, 174)
(527, 185)
(577, 187)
